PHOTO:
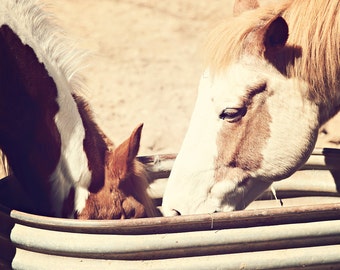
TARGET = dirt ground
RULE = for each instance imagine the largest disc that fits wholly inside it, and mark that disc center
(145, 64)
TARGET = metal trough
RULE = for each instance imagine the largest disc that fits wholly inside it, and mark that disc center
(303, 233)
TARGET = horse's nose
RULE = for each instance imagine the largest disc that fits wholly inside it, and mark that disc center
(171, 212)
(176, 213)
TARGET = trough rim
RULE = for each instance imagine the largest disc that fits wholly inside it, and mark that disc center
(216, 221)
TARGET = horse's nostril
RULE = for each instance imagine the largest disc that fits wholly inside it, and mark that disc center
(171, 213)
(177, 213)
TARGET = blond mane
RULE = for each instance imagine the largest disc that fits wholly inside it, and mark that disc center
(314, 28)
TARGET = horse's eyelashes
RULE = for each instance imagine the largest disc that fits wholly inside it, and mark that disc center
(257, 89)
(233, 114)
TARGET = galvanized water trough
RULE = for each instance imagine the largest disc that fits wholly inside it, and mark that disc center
(303, 233)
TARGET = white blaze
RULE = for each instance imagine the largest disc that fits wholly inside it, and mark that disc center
(195, 161)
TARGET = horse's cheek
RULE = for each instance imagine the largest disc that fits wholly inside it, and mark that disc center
(133, 209)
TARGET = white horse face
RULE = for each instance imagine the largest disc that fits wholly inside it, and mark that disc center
(251, 126)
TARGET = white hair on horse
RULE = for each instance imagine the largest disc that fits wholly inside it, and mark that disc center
(39, 28)
(271, 80)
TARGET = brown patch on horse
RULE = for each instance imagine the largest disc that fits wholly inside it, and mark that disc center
(96, 144)
(68, 205)
(243, 5)
(28, 134)
(124, 192)
(246, 137)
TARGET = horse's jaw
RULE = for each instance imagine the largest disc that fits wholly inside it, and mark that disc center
(224, 196)
(195, 191)
(236, 194)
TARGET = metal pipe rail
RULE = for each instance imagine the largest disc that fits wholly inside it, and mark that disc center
(317, 258)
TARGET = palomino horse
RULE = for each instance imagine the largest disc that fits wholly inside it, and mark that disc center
(271, 79)
(59, 155)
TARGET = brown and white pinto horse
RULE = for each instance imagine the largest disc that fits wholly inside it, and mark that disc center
(64, 162)
(272, 78)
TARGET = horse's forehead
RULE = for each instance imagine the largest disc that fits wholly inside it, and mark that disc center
(241, 73)
(230, 86)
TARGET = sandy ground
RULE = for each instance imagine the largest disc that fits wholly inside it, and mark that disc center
(145, 63)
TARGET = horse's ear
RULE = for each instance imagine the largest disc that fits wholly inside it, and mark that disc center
(267, 38)
(243, 5)
(125, 153)
(276, 34)
(134, 142)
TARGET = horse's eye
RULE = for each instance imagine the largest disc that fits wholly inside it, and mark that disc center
(233, 114)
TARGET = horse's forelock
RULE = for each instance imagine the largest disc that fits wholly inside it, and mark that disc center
(229, 40)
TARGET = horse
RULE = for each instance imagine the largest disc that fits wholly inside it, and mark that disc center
(271, 79)
(64, 162)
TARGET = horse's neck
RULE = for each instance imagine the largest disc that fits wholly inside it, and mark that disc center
(50, 139)
(95, 145)
(27, 130)
(81, 167)
(58, 162)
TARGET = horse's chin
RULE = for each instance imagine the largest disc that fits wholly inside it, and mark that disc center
(245, 193)
(225, 196)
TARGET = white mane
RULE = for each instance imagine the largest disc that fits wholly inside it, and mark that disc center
(38, 29)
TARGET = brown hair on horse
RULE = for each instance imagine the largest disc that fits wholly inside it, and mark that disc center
(124, 192)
